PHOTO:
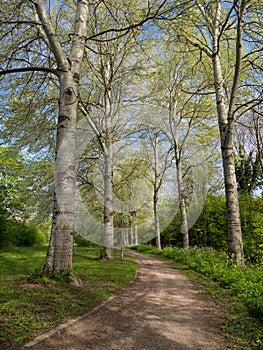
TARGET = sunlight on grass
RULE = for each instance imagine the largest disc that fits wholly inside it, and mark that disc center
(28, 309)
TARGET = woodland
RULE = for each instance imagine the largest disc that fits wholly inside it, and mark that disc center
(130, 122)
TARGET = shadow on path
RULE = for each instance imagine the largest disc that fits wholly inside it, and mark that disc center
(160, 309)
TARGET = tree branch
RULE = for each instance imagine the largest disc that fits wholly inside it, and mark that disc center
(237, 72)
(49, 30)
(29, 69)
(21, 22)
(129, 27)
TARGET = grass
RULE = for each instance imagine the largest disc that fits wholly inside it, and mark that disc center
(237, 291)
(29, 308)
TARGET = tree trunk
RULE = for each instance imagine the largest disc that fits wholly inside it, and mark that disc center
(225, 121)
(59, 255)
(180, 182)
(108, 166)
(184, 223)
(155, 194)
(136, 242)
(174, 128)
(108, 199)
(156, 221)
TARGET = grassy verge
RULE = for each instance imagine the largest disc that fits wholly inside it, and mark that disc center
(28, 309)
(239, 292)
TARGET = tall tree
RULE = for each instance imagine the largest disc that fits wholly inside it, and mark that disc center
(226, 35)
(186, 113)
(107, 61)
(59, 255)
(39, 38)
(44, 35)
(160, 159)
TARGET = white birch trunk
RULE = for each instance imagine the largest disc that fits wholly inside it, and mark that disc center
(184, 223)
(136, 241)
(156, 193)
(174, 125)
(108, 167)
(59, 255)
(226, 121)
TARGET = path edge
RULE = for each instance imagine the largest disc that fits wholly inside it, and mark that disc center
(64, 325)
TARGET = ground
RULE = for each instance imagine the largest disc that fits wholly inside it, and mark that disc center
(160, 310)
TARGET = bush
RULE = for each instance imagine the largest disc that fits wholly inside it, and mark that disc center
(20, 234)
(82, 242)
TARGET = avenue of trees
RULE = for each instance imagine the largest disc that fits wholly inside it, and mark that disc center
(195, 64)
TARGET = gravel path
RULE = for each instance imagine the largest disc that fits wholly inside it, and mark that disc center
(160, 309)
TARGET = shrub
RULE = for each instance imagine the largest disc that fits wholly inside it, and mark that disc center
(20, 234)
(82, 242)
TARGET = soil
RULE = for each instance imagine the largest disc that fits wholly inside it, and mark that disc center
(160, 310)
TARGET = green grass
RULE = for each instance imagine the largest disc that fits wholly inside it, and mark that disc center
(28, 309)
(238, 291)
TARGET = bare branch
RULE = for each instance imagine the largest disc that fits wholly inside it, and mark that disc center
(29, 69)
(22, 22)
(130, 26)
(236, 79)
(49, 30)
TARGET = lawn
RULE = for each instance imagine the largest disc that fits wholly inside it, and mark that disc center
(29, 306)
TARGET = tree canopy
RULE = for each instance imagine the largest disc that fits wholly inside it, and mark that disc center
(67, 67)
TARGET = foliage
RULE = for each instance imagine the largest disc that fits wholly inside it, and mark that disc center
(171, 235)
(41, 304)
(82, 242)
(12, 182)
(20, 234)
(210, 229)
(246, 283)
(251, 211)
(248, 169)
(24, 192)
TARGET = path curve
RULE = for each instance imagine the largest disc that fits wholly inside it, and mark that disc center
(160, 310)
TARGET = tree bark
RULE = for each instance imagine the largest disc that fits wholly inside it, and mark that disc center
(156, 191)
(184, 223)
(226, 122)
(174, 125)
(59, 256)
(108, 198)
(60, 250)
(108, 165)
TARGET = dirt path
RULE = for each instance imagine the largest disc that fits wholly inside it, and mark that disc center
(161, 309)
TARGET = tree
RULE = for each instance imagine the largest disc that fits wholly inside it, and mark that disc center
(18, 207)
(44, 36)
(114, 61)
(185, 121)
(248, 152)
(228, 29)
(39, 39)
(160, 163)
(108, 71)
(247, 165)
(13, 183)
